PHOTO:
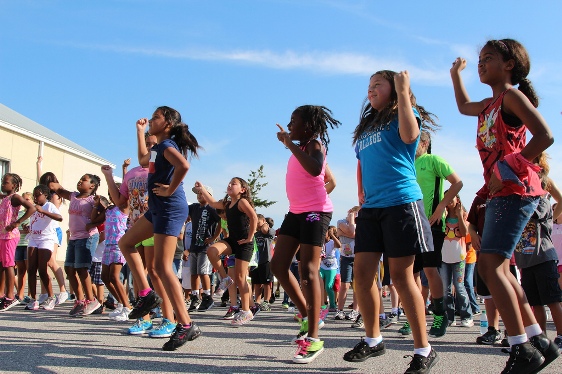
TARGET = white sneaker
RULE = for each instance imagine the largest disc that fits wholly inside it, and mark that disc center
(61, 298)
(124, 316)
(32, 305)
(48, 304)
(42, 298)
(467, 322)
(116, 312)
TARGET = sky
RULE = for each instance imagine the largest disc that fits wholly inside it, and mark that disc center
(233, 69)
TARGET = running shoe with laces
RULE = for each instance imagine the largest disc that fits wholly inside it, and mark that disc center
(195, 303)
(32, 305)
(358, 324)
(340, 315)
(352, 315)
(78, 308)
(546, 347)
(49, 304)
(124, 316)
(265, 307)
(421, 364)
(255, 309)
(385, 322)
(362, 351)
(223, 286)
(285, 305)
(523, 358)
(8, 304)
(140, 327)
(242, 318)
(116, 311)
(405, 329)
(231, 312)
(165, 330)
(467, 322)
(307, 351)
(91, 306)
(492, 336)
(182, 335)
(42, 297)
(439, 326)
(207, 303)
(145, 304)
(558, 342)
(61, 298)
(324, 313)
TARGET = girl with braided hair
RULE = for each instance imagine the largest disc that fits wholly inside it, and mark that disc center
(304, 227)
(512, 187)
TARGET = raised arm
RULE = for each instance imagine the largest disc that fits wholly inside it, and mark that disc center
(213, 203)
(311, 159)
(456, 186)
(65, 194)
(407, 123)
(143, 153)
(118, 199)
(464, 104)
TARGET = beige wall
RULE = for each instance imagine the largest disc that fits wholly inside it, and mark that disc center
(22, 151)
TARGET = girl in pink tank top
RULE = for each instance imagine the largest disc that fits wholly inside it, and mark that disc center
(304, 227)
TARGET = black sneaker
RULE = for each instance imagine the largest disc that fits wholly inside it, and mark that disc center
(523, 358)
(231, 312)
(362, 351)
(421, 364)
(181, 335)
(546, 347)
(145, 304)
(255, 309)
(109, 304)
(195, 303)
(8, 304)
(207, 303)
(99, 310)
(492, 336)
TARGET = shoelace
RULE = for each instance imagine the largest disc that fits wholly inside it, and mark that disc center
(437, 321)
(302, 348)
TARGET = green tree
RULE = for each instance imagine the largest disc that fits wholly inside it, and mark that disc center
(256, 184)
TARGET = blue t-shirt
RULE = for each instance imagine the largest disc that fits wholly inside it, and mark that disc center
(387, 166)
(161, 171)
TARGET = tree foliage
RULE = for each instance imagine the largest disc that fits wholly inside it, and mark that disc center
(256, 183)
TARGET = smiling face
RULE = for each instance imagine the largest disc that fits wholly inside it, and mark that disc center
(297, 128)
(491, 67)
(157, 124)
(235, 188)
(379, 92)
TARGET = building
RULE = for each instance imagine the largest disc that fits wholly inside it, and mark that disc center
(23, 140)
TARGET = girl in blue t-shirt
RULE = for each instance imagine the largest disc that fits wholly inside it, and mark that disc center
(167, 211)
(391, 219)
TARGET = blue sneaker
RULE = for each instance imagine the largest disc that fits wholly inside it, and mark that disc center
(165, 330)
(140, 327)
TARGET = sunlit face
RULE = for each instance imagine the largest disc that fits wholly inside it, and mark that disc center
(453, 202)
(84, 185)
(297, 128)
(157, 124)
(201, 199)
(379, 92)
(150, 142)
(8, 185)
(491, 67)
(235, 188)
(39, 198)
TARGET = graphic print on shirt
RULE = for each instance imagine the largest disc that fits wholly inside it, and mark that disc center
(487, 130)
(151, 168)
(200, 235)
(528, 241)
(371, 137)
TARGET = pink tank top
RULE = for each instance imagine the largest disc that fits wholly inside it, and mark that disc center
(8, 215)
(305, 192)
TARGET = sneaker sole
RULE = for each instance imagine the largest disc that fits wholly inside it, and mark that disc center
(306, 360)
(374, 354)
(160, 336)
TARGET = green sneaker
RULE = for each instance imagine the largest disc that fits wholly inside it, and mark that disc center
(307, 351)
(439, 326)
(303, 332)
(405, 329)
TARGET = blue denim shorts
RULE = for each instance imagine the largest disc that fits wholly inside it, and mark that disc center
(21, 253)
(79, 252)
(506, 217)
(346, 269)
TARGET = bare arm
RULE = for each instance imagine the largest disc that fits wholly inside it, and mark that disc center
(142, 153)
(311, 159)
(557, 196)
(474, 237)
(360, 191)
(208, 197)
(181, 166)
(53, 186)
(337, 243)
(118, 199)
(408, 126)
(17, 200)
(456, 186)
(329, 180)
(245, 207)
(39, 162)
(53, 216)
(125, 166)
(464, 104)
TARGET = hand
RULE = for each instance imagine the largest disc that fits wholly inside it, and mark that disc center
(402, 82)
(354, 210)
(361, 196)
(198, 187)
(208, 241)
(437, 215)
(458, 65)
(494, 185)
(25, 228)
(458, 209)
(476, 242)
(141, 124)
(244, 241)
(283, 136)
(11, 226)
(161, 190)
(106, 170)
(39, 208)
(126, 163)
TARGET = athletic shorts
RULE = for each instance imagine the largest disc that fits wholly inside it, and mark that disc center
(346, 269)
(8, 252)
(431, 259)
(146, 243)
(21, 253)
(262, 274)
(95, 273)
(42, 243)
(242, 252)
(199, 263)
(167, 224)
(397, 231)
(540, 283)
(308, 228)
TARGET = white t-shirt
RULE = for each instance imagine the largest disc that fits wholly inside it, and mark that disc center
(42, 227)
(329, 262)
(187, 235)
(97, 256)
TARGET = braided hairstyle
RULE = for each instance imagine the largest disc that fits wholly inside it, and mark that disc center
(316, 119)
(371, 118)
(95, 180)
(16, 180)
(44, 190)
(179, 132)
(511, 49)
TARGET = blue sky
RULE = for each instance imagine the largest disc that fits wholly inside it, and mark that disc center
(234, 69)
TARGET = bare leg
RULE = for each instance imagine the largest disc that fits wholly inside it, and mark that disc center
(368, 297)
(157, 282)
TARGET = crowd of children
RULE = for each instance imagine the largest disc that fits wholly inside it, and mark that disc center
(408, 234)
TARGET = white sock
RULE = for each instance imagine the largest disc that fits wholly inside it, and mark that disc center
(207, 292)
(517, 339)
(196, 293)
(373, 341)
(533, 330)
(382, 315)
(395, 310)
(423, 351)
